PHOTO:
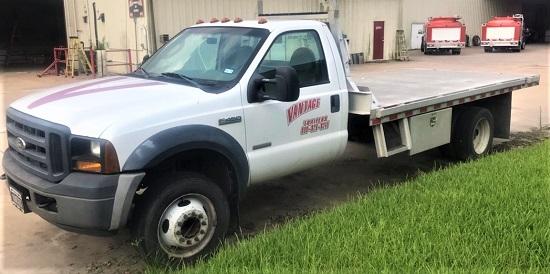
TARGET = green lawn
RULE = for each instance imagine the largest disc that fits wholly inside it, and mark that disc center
(490, 215)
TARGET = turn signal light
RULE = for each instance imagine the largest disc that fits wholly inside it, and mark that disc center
(238, 20)
(214, 20)
(88, 166)
(225, 20)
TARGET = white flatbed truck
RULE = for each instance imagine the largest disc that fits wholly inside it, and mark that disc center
(172, 147)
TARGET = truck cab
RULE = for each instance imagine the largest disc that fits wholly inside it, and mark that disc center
(221, 106)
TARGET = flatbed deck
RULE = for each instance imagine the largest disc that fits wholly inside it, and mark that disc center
(407, 92)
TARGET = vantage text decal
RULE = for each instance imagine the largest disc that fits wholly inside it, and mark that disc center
(301, 108)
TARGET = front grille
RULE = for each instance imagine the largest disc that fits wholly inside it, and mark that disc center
(38, 145)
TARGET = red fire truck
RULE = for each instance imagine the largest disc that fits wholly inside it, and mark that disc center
(444, 34)
(503, 33)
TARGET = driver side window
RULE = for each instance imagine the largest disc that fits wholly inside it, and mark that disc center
(300, 50)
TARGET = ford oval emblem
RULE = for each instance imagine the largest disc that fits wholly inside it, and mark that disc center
(20, 143)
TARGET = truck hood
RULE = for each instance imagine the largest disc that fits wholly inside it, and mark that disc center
(88, 108)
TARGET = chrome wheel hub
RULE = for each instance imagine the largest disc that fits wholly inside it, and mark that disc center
(186, 225)
(482, 135)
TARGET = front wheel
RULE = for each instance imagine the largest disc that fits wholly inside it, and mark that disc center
(184, 217)
(472, 134)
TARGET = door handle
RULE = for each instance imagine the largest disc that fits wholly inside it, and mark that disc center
(334, 103)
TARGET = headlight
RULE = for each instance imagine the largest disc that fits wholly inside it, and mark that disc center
(93, 155)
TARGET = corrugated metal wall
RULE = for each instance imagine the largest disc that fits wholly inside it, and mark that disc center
(357, 18)
(473, 12)
(171, 16)
(285, 6)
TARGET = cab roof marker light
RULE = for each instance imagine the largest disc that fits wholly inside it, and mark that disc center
(214, 20)
(199, 21)
(238, 20)
(225, 20)
(262, 20)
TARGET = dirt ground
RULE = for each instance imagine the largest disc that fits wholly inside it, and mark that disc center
(30, 244)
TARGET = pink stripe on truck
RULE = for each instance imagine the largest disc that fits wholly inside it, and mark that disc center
(78, 90)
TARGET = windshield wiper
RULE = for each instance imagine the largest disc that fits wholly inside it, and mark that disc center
(181, 76)
(144, 71)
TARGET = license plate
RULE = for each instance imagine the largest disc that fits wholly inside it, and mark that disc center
(17, 199)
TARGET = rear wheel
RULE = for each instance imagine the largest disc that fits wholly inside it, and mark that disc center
(472, 134)
(183, 217)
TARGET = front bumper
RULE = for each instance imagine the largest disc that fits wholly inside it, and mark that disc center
(83, 202)
(499, 43)
(445, 45)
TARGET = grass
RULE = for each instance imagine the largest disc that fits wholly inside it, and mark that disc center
(490, 215)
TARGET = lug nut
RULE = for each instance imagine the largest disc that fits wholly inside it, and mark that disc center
(202, 231)
(189, 242)
(196, 239)
(203, 223)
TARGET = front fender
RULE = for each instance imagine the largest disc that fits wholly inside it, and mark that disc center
(170, 142)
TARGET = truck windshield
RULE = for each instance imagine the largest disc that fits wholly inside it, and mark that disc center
(207, 57)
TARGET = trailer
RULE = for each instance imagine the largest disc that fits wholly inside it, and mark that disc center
(503, 33)
(444, 34)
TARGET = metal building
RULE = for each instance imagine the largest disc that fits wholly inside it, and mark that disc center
(370, 25)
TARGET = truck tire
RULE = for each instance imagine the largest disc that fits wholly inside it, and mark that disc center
(472, 134)
(476, 41)
(183, 218)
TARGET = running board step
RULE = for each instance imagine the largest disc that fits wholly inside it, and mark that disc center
(403, 138)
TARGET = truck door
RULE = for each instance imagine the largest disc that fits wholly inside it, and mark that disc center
(286, 137)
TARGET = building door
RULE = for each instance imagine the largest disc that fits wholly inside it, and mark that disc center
(417, 31)
(378, 51)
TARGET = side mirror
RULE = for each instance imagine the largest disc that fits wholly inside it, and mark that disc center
(145, 58)
(284, 87)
